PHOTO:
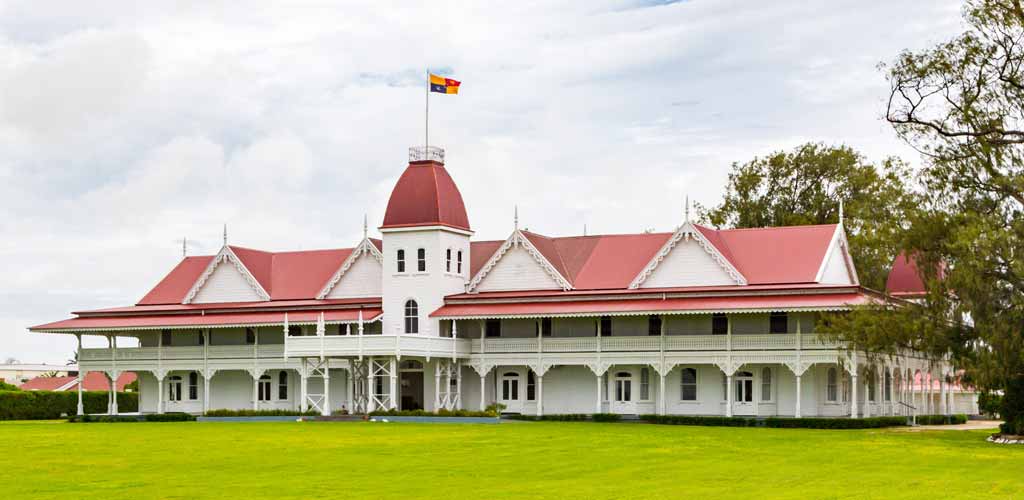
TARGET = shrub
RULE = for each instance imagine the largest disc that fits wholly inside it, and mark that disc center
(170, 417)
(699, 420)
(556, 417)
(834, 423)
(4, 386)
(260, 413)
(439, 413)
(941, 419)
(106, 419)
(606, 417)
(989, 404)
(36, 405)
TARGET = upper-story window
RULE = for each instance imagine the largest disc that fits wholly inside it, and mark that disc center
(400, 260)
(458, 262)
(545, 327)
(606, 326)
(294, 331)
(421, 260)
(778, 322)
(492, 328)
(165, 338)
(202, 337)
(448, 260)
(719, 324)
(412, 317)
(250, 335)
(654, 324)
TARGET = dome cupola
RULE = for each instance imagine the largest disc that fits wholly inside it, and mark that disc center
(426, 195)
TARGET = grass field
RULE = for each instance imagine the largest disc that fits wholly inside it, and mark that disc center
(552, 460)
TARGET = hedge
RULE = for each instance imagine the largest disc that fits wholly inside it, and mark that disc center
(39, 405)
(556, 417)
(606, 417)
(439, 413)
(699, 420)
(941, 419)
(153, 417)
(778, 422)
(260, 413)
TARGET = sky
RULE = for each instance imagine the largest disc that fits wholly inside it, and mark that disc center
(128, 126)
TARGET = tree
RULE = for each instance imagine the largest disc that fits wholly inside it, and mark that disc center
(805, 186)
(961, 104)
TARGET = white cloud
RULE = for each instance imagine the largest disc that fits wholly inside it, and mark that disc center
(127, 126)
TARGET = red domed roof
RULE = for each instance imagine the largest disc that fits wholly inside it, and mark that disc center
(904, 278)
(426, 195)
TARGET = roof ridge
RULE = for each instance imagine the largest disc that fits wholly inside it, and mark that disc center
(799, 226)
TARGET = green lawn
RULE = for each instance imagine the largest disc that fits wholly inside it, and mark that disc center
(554, 460)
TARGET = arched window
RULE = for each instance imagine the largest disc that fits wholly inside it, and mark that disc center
(193, 386)
(400, 260)
(263, 388)
(458, 262)
(412, 317)
(282, 385)
(766, 384)
(421, 260)
(174, 388)
(688, 387)
(831, 386)
(623, 387)
(448, 260)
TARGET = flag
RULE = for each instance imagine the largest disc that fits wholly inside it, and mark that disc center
(444, 85)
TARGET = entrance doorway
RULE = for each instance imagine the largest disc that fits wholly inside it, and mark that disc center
(623, 398)
(410, 386)
(509, 393)
(744, 392)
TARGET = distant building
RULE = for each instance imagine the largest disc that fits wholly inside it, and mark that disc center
(94, 381)
(19, 373)
(694, 321)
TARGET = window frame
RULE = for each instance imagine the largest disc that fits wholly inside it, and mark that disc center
(654, 325)
(605, 328)
(421, 260)
(488, 330)
(174, 388)
(250, 336)
(458, 262)
(831, 385)
(193, 386)
(282, 385)
(767, 382)
(717, 328)
(645, 384)
(683, 384)
(263, 389)
(774, 318)
(531, 386)
(448, 260)
(400, 260)
(411, 317)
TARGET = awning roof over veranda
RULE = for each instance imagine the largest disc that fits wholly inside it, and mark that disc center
(204, 320)
(653, 305)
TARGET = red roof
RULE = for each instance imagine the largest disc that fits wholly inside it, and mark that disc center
(177, 283)
(94, 381)
(156, 321)
(904, 278)
(775, 255)
(426, 195)
(819, 301)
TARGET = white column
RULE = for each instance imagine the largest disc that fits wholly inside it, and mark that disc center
(303, 390)
(662, 406)
(540, 395)
(728, 395)
(799, 397)
(81, 377)
(437, 385)
(327, 391)
(114, 377)
(351, 387)
(159, 392)
(942, 396)
(394, 383)
(255, 391)
(597, 408)
(483, 392)
(853, 395)
(867, 393)
(206, 391)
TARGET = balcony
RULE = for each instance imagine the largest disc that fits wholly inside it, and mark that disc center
(766, 342)
(376, 345)
(275, 351)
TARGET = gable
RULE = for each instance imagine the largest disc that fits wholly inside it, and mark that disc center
(836, 270)
(517, 270)
(226, 284)
(687, 264)
(362, 279)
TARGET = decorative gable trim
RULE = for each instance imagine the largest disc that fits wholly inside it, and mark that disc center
(518, 239)
(225, 255)
(840, 243)
(687, 231)
(365, 247)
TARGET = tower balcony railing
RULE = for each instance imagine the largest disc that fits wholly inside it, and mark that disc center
(426, 153)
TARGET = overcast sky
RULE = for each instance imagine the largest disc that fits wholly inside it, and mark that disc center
(125, 127)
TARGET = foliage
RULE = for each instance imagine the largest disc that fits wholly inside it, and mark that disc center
(169, 417)
(542, 459)
(104, 419)
(805, 185)
(260, 413)
(989, 404)
(606, 417)
(495, 408)
(438, 413)
(35, 405)
(961, 104)
(700, 420)
(941, 419)
(4, 386)
(554, 417)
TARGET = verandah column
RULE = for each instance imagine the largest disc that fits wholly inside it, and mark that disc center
(540, 395)
(206, 390)
(597, 408)
(483, 391)
(728, 394)
(853, 396)
(81, 407)
(393, 372)
(799, 396)
(326, 410)
(159, 374)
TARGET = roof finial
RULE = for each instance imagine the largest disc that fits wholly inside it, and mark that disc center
(184, 247)
(365, 226)
(584, 229)
(516, 216)
(687, 208)
(225, 234)
(840, 210)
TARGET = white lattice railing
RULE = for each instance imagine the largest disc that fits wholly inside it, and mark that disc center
(376, 345)
(648, 343)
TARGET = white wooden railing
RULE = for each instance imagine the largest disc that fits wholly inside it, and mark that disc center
(184, 352)
(650, 344)
(376, 345)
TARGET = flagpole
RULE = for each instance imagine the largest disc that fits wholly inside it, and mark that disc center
(426, 118)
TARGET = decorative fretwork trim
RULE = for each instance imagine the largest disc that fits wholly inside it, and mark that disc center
(365, 247)
(518, 239)
(686, 232)
(226, 254)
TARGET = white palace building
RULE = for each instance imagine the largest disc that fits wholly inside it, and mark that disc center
(697, 321)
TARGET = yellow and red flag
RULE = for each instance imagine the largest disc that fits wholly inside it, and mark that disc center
(444, 85)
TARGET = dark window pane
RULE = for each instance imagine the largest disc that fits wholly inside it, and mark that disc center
(654, 325)
(719, 324)
(606, 326)
(493, 328)
(400, 260)
(421, 260)
(778, 323)
(545, 327)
